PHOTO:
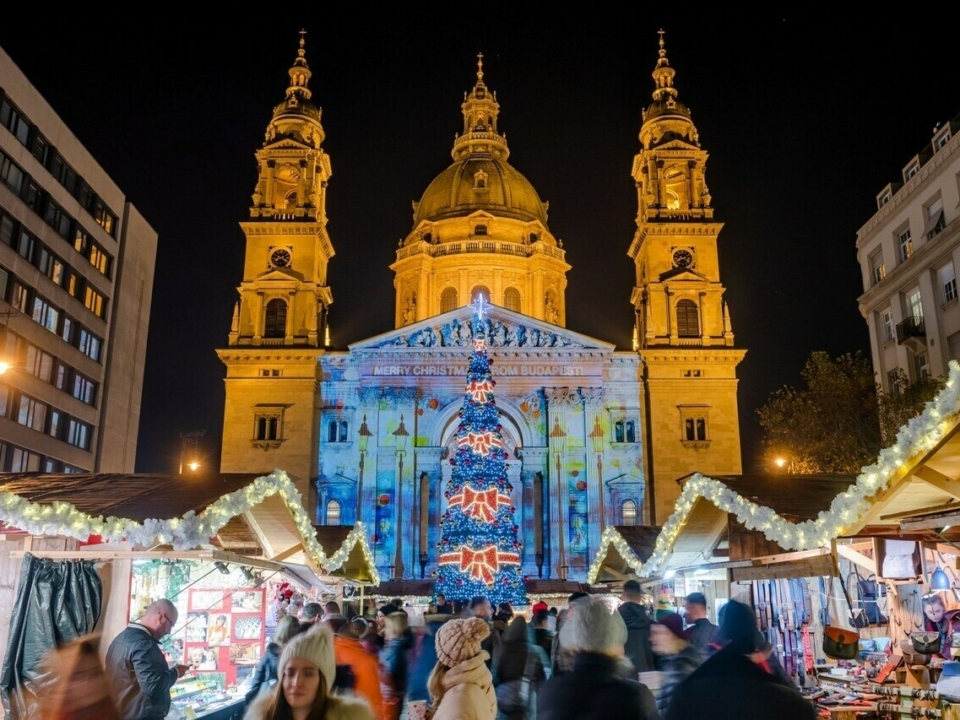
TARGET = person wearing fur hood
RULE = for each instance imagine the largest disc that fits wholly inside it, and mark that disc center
(305, 681)
(461, 686)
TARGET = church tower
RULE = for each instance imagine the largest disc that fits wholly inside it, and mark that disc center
(279, 322)
(480, 227)
(682, 328)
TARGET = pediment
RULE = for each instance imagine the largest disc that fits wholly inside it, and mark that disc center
(280, 274)
(681, 274)
(503, 328)
(286, 143)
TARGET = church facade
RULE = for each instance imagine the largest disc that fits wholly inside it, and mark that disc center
(595, 435)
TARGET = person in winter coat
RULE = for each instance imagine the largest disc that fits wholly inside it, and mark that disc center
(600, 684)
(517, 659)
(732, 685)
(461, 687)
(394, 663)
(306, 670)
(265, 675)
(424, 660)
(678, 658)
(364, 667)
(637, 620)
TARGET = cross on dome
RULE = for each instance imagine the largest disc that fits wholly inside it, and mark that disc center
(479, 306)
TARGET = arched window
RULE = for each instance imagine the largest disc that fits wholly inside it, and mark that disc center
(332, 431)
(480, 290)
(333, 513)
(448, 300)
(618, 431)
(275, 320)
(688, 319)
(343, 431)
(290, 200)
(511, 299)
(266, 427)
(628, 513)
(631, 432)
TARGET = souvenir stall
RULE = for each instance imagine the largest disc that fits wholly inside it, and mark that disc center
(884, 547)
(232, 552)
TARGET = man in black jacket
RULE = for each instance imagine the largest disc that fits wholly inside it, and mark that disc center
(139, 677)
(637, 620)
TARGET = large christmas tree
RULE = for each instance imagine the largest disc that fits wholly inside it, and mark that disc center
(479, 550)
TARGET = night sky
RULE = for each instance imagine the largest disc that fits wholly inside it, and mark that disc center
(805, 118)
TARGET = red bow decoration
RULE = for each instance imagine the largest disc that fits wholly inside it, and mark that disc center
(480, 443)
(482, 564)
(480, 504)
(480, 390)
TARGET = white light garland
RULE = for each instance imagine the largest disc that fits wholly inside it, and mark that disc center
(184, 533)
(919, 435)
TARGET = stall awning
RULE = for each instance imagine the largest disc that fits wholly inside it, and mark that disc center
(622, 548)
(257, 515)
(353, 559)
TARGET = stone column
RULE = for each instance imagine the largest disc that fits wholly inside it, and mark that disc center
(428, 495)
(532, 527)
(592, 398)
(559, 402)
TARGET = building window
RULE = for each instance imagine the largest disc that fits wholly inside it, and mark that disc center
(24, 461)
(688, 319)
(337, 431)
(275, 322)
(628, 513)
(448, 300)
(905, 245)
(478, 291)
(56, 424)
(480, 230)
(942, 140)
(15, 122)
(625, 431)
(45, 314)
(695, 426)
(89, 343)
(948, 282)
(878, 271)
(84, 389)
(267, 426)
(11, 175)
(914, 304)
(893, 383)
(32, 413)
(333, 513)
(935, 222)
(921, 366)
(886, 320)
(52, 266)
(953, 346)
(911, 170)
(78, 434)
(38, 363)
(511, 299)
(270, 372)
(27, 246)
(56, 218)
(94, 301)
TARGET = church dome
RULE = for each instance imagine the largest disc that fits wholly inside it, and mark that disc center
(480, 183)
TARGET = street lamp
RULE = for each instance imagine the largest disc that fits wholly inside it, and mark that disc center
(597, 436)
(557, 442)
(401, 436)
(192, 438)
(364, 436)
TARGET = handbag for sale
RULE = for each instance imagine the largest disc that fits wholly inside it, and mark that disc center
(925, 642)
(840, 643)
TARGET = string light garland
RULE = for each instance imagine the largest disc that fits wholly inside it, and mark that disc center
(479, 549)
(188, 532)
(919, 435)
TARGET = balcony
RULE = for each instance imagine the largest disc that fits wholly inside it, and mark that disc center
(912, 332)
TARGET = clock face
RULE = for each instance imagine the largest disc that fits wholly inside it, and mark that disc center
(280, 258)
(683, 258)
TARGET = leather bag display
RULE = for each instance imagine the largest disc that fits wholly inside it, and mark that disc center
(840, 643)
(925, 642)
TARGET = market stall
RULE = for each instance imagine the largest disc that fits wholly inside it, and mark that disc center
(233, 552)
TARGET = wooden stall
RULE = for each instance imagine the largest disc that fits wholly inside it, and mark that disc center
(211, 543)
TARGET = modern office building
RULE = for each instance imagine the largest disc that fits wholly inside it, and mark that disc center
(909, 252)
(596, 435)
(76, 282)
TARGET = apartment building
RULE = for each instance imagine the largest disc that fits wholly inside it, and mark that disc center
(76, 280)
(909, 252)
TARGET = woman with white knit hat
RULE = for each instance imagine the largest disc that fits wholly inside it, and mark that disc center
(306, 672)
(460, 685)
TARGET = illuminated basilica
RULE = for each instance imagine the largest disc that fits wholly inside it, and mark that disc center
(596, 435)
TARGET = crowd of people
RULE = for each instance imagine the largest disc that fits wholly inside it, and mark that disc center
(473, 661)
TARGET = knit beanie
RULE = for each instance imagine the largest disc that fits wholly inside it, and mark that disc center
(316, 646)
(537, 607)
(593, 628)
(459, 640)
(674, 623)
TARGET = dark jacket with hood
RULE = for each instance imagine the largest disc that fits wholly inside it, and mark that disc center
(597, 688)
(637, 648)
(731, 686)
